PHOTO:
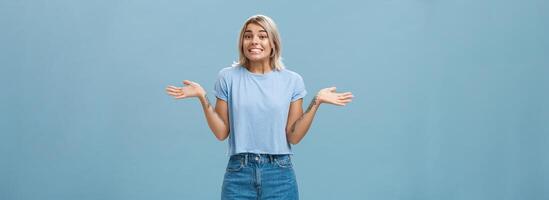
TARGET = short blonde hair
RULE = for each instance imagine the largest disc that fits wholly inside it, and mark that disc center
(274, 38)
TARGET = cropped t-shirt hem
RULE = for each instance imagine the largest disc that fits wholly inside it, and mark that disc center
(261, 152)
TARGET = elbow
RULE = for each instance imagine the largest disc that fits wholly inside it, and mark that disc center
(293, 140)
(222, 136)
(290, 137)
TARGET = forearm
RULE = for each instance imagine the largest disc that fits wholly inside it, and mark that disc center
(218, 126)
(302, 125)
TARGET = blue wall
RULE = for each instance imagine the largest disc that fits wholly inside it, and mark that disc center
(451, 97)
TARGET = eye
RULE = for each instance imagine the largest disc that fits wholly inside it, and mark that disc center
(247, 37)
(263, 37)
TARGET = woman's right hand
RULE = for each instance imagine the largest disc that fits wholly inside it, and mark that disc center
(191, 89)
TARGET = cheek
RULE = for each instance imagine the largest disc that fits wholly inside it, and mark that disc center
(245, 47)
(245, 43)
(267, 46)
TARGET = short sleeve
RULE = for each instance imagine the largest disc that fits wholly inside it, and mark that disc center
(220, 87)
(299, 89)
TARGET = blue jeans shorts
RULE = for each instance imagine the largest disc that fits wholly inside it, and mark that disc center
(259, 177)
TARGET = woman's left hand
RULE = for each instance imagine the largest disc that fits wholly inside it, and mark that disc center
(329, 95)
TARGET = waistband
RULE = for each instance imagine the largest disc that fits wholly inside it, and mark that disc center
(260, 158)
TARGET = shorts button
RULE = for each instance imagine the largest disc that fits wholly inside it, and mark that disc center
(256, 158)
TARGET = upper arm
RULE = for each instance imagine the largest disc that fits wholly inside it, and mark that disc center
(222, 109)
(294, 113)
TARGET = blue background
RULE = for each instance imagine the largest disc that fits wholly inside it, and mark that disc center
(451, 97)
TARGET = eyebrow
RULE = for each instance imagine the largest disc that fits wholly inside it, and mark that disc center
(249, 31)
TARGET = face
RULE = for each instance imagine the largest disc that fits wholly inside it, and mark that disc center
(256, 43)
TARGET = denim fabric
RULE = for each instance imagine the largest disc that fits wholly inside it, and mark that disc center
(259, 177)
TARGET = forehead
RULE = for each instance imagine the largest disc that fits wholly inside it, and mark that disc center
(252, 27)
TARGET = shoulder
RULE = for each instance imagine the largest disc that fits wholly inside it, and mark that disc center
(291, 74)
(228, 71)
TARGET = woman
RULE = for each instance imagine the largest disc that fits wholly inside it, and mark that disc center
(259, 108)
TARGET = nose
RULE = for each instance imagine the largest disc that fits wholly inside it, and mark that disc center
(255, 40)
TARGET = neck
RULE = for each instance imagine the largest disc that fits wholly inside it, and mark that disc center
(260, 67)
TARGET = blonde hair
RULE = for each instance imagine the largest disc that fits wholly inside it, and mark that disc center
(274, 38)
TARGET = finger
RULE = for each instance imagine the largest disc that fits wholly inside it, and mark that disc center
(346, 97)
(173, 90)
(345, 101)
(173, 87)
(174, 93)
(190, 83)
(193, 83)
(335, 102)
(181, 96)
(345, 94)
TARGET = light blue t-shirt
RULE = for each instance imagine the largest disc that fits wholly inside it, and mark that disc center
(258, 108)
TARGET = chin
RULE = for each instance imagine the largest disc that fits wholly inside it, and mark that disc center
(256, 58)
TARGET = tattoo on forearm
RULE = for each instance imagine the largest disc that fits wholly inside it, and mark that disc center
(208, 105)
(313, 102)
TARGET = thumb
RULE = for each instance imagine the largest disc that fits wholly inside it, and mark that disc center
(332, 89)
(187, 82)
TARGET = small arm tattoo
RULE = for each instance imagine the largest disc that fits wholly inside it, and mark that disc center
(208, 105)
(313, 102)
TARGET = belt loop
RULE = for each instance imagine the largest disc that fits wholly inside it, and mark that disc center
(245, 159)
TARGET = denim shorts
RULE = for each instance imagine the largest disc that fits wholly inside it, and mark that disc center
(259, 177)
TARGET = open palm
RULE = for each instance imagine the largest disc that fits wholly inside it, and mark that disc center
(329, 95)
(191, 89)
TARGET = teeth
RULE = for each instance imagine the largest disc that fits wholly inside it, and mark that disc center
(255, 50)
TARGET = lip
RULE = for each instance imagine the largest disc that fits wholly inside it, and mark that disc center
(255, 50)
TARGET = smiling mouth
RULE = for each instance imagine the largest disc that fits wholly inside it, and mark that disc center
(255, 50)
